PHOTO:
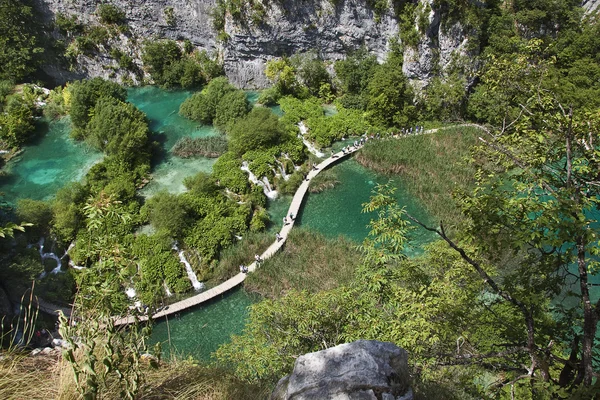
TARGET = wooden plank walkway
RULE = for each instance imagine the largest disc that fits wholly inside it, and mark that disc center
(274, 247)
(268, 253)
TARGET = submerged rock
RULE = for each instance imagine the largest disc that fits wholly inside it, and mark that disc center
(365, 369)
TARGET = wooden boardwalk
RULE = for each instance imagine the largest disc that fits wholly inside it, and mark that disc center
(268, 253)
(276, 245)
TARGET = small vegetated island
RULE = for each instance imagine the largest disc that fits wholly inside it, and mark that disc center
(503, 303)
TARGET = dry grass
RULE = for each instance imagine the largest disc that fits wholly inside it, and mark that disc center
(49, 377)
(24, 377)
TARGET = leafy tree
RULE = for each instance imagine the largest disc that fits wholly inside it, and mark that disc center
(201, 183)
(17, 123)
(260, 129)
(19, 45)
(535, 203)
(117, 128)
(160, 56)
(356, 71)
(311, 71)
(390, 97)
(85, 94)
(98, 350)
(66, 211)
(202, 106)
(445, 98)
(167, 213)
(283, 75)
(233, 106)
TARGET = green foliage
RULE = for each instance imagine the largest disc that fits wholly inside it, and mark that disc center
(445, 98)
(322, 130)
(356, 71)
(167, 213)
(170, 16)
(37, 213)
(19, 42)
(202, 183)
(85, 94)
(212, 147)
(228, 173)
(308, 262)
(117, 128)
(55, 103)
(110, 14)
(159, 266)
(203, 106)
(390, 97)
(66, 212)
(231, 107)
(170, 67)
(260, 129)
(409, 35)
(68, 25)
(17, 120)
(311, 71)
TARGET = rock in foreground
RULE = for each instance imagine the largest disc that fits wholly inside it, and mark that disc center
(365, 369)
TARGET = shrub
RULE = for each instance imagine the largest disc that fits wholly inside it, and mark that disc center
(110, 14)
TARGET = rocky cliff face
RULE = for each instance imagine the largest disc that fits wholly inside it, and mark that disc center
(287, 27)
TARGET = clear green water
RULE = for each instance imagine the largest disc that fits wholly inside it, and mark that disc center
(46, 165)
(200, 331)
(162, 109)
(337, 211)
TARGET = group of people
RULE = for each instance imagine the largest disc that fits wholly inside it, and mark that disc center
(244, 269)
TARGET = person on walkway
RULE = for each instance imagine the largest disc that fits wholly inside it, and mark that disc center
(285, 222)
(278, 236)
(292, 216)
(257, 259)
(332, 154)
(242, 268)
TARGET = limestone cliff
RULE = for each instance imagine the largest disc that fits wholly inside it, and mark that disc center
(286, 27)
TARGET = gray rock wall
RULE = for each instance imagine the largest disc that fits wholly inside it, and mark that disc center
(288, 27)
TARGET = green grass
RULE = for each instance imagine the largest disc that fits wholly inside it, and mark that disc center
(431, 167)
(240, 253)
(327, 179)
(308, 261)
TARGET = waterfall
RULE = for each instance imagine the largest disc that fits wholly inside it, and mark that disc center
(281, 167)
(167, 291)
(49, 255)
(303, 130)
(265, 184)
(188, 268)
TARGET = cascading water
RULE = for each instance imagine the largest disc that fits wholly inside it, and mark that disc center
(167, 291)
(303, 131)
(188, 268)
(265, 184)
(281, 167)
(51, 255)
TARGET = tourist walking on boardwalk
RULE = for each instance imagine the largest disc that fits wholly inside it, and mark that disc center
(278, 236)
(292, 216)
(257, 259)
(285, 221)
(243, 269)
